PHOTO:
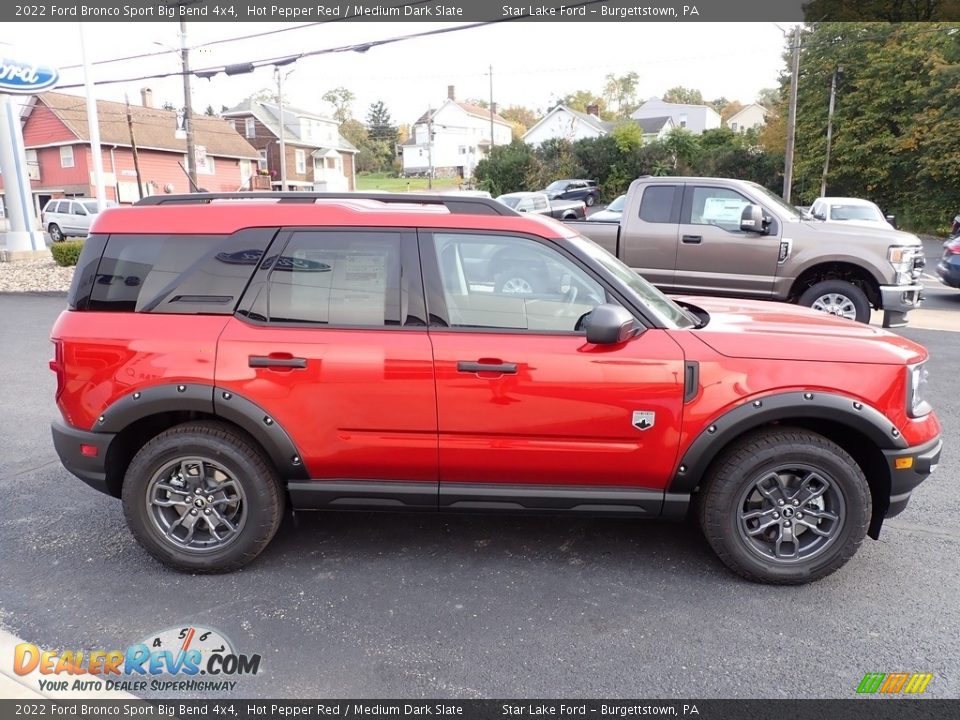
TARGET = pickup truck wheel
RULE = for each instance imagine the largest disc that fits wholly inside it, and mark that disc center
(838, 297)
(199, 497)
(785, 506)
(518, 280)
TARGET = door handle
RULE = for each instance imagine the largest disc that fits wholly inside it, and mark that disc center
(274, 361)
(490, 367)
(692, 239)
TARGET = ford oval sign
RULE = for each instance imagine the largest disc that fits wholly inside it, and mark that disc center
(22, 78)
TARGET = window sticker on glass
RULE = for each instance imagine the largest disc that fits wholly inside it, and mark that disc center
(723, 211)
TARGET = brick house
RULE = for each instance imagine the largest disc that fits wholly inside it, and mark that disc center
(318, 157)
(60, 158)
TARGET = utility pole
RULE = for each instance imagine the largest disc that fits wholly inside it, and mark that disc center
(188, 106)
(283, 146)
(430, 148)
(826, 162)
(792, 119)
(93, 124)
(491, 107)
(133, 149)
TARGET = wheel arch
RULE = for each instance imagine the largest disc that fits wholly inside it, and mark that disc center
(858, 275)
(143, 414)
(861, 430)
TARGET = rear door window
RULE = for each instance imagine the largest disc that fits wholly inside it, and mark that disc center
(183, 274)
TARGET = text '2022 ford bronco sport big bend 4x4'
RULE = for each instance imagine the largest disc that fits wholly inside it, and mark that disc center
(224, 356)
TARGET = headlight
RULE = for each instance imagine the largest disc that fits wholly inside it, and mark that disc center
(917, 405)
(903, 258)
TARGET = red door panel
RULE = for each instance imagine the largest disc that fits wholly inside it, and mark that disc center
(362, 407)
(565, 416)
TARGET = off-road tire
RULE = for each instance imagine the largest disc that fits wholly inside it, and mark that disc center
(738, 467)
(235, 451)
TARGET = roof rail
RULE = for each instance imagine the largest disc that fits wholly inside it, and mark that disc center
(455, 204)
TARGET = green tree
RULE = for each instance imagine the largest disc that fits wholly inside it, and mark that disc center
(580, 100)
(341, 100)
(682, 145)
(520, 118)
(506, 169)
(380, 124)
(620, 93)
(684, 96)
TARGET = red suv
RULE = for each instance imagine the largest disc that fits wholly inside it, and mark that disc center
(223, 357)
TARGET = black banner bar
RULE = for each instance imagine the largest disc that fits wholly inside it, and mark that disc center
(874, 708)
(476, 10)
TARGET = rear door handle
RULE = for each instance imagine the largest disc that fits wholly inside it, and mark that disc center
(274, 361)
(692, 239)
(491, 367)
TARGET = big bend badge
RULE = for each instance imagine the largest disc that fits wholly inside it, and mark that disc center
(644, 419)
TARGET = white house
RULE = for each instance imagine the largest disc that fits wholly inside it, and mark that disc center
(566, 124)
(695, 118)
(452, 139)
(752, 116)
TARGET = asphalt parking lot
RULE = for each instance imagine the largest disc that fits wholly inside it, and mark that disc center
(364, 606)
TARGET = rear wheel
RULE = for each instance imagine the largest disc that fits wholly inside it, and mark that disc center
(56, 234)
(785, 506)
(200, 497)
(590, 200)
(519, 280)
(838, 297)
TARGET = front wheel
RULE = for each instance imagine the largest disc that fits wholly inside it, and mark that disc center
(199, 497)
(785, 506)
(838, 297)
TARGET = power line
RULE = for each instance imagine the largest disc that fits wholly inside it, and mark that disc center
(362, 47)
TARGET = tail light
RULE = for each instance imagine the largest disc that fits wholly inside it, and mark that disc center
(952, 248)
(56, 364)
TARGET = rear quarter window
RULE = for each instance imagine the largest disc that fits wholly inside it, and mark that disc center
(178, 274)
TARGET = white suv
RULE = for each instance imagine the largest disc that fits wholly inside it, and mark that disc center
(68, 217)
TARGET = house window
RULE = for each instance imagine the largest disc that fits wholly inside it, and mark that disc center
(232, 123)
(683, 120)
(262, 162)
(251, 129)
(301, 158)
(66, 156)
(733, 126)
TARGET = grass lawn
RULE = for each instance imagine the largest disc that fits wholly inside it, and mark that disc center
(370, 182)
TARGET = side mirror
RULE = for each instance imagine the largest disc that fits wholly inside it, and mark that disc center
(819, 216)
(751, 219)
(610, 324)
(892, 219)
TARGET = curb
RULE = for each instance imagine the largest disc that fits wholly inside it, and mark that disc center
(27, 687)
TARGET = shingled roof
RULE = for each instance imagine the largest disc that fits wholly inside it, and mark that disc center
(153, 128)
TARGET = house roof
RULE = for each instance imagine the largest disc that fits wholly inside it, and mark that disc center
(469, 109)
(269, 115)
(591, 120)
(153, 127)
(745, 108)
(654, 124)
(657, 104)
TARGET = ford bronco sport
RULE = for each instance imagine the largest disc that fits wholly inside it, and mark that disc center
(226, 356)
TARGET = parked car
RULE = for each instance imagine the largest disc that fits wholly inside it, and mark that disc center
(538, 204)
(611, 213)
(585, 190)
(948, 269)
(69, 217)
(732, 238)
(222, 358)
(852, 210)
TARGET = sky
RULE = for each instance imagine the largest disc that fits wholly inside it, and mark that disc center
(533, 63)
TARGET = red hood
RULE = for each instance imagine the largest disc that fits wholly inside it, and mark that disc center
(778, 331)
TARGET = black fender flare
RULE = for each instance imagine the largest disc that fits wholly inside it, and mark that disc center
(759, 411)
(210, 400)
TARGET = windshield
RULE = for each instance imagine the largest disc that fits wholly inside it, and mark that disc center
(557, 185)
(663, 308)
(617, 205)
(509, 200)
(856, 212)
(777, 200)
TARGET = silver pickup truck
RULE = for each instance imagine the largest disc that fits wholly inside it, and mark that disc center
(717, 236)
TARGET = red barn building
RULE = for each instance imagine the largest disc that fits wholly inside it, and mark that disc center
(60, 158)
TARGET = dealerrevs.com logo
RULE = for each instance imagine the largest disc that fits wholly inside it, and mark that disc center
(188, 659)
